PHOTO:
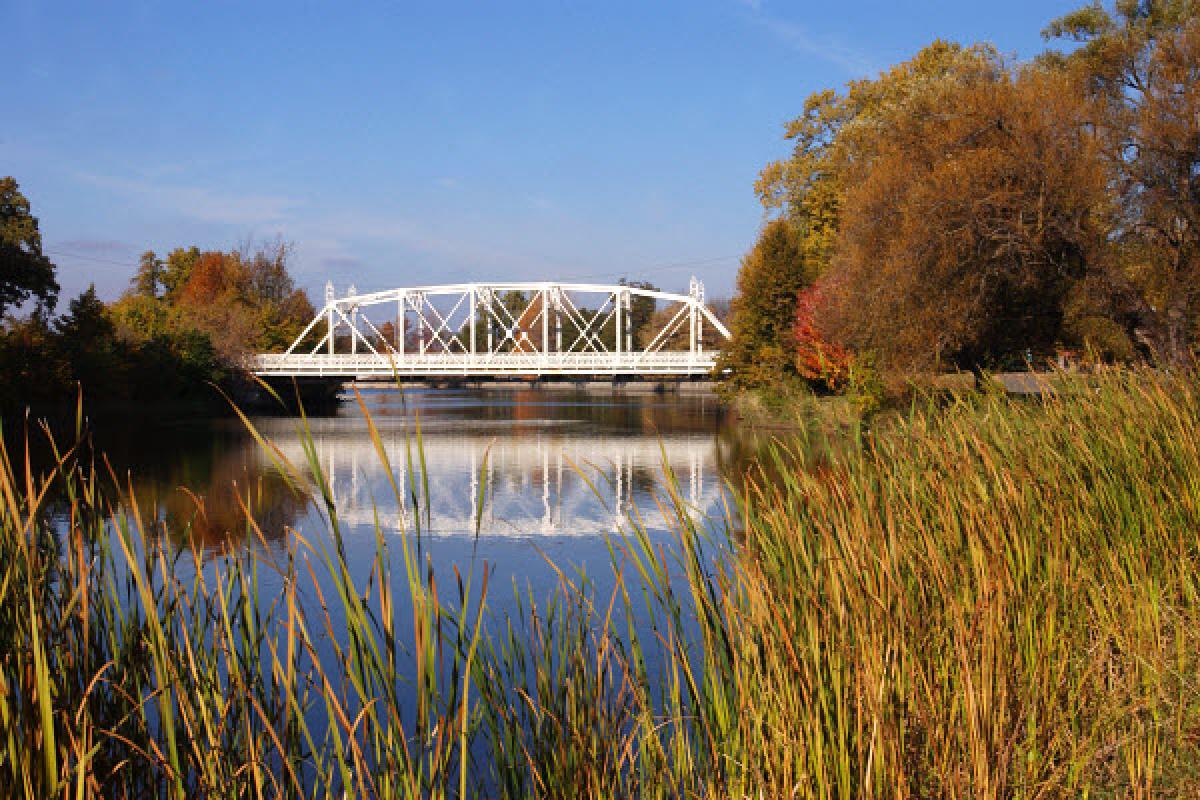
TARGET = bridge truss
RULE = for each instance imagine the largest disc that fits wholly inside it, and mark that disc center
(498, 329)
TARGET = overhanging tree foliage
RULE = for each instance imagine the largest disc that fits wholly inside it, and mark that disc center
(25, 272)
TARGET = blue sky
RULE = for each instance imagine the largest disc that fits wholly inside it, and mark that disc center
(399, 144)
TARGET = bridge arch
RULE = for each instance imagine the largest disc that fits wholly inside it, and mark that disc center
(505, 328)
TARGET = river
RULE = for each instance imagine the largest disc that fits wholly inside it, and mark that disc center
(512, 481)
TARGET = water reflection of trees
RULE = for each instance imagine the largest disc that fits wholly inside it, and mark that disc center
(203, 491)
(766, 457)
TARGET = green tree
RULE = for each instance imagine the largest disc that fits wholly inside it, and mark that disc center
(34, 368)
(24, 271)
(509, 314)
(178, 269)
(148, 280)
(764, 309)
(87, 337)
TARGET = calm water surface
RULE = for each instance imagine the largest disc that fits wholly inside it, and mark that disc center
(515, 479)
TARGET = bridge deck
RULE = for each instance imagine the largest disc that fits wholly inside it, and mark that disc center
(483, 365)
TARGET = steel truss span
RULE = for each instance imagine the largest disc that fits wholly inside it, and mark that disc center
(504, 329)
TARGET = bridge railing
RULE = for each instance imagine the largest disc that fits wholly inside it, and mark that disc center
(484, 364)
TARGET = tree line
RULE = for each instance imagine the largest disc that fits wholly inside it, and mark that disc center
(961, 211)
(186, 321)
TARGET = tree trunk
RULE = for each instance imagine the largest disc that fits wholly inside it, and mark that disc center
(1176, 330)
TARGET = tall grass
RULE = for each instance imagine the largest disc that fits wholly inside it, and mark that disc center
(988, 598)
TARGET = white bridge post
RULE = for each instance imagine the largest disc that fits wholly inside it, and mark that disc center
(471, 324)
(627, 299)
(489, 321)
(544, 359)
(419, 305)
(353, 322)
(558, 321)
(618, 300)
(401, 321)
(696, 293)
(329, 295)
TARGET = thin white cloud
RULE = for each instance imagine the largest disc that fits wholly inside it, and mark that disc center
(199, 203)
(94, 246)
(802, 40)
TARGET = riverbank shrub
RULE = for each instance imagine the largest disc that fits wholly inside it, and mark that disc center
(992, 598)
(89, 349)
(762, 315)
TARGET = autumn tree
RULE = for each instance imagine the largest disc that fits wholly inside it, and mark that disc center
(764, 309)
(214, 276)
(825, 365)
(282, 310)
(964, 231)
(836, 131)
(156, 343)
(266, 270)
(25, 272)
(1141, 63)
(245, 300)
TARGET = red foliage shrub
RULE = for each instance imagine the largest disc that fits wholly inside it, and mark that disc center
(824, 364)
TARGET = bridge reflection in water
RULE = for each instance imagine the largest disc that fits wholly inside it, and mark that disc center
(541, 480)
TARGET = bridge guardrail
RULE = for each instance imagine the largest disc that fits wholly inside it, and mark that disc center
(484, 364)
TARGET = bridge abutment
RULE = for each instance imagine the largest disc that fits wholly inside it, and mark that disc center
(313, 393)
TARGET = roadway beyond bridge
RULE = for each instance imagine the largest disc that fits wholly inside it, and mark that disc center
(497, 330)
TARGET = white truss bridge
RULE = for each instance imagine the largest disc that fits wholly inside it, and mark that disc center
(505, 329)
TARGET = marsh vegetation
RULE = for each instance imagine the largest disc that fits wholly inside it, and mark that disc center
(990, 598)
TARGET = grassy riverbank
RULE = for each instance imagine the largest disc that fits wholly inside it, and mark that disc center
(991, 598)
